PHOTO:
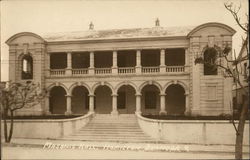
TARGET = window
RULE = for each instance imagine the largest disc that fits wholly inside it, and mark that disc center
(150, 100)
(211, 95)
(121, 101)
(27, 67)
(210, 67)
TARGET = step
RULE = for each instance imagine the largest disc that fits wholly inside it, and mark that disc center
(109, 131)
(112, 140)
(107, 138)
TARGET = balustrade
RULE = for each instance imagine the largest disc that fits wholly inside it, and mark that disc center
(150, 69)
(79, 71)
(126, 70)
(57, 72)
(175, 69)
(122, 70)
(103, 70)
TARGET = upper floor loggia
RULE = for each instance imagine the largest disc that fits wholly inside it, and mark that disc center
(164, 50)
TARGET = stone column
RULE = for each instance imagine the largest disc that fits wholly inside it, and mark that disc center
(163, 106)
(114, 104)
(91, 103)
(69, 64)
(91, 63)
(138, 62)
(114, 67)
(68, 99)
(187, 111)
(138, 103)
(186, 60)
(46, 105)
(162, 60)
(48, 65)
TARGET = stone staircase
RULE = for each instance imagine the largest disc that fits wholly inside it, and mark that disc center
(108, 128)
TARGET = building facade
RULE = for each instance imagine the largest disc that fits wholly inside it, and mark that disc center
(123, 71)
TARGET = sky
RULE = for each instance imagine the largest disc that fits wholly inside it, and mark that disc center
(46, 16)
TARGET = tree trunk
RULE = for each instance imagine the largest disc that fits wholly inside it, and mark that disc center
(5, 125)
(239, 135)
(11, 125)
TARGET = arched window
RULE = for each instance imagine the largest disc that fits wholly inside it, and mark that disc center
(27, 67)
(210, 67)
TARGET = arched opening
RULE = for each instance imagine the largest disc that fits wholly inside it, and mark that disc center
(80, 100)
(175, 100)
(150, 100)
(103, 100)
(210, 67)
(27, 67)
(126, 99)
(57, 100)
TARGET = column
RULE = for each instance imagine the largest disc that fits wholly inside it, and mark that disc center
(69, 64)
(91, 63)
(163, 106)
(46, 107)
(138, 62)
(186, 60)
(138, 103)
(114, 104)
(48, 65)
(114, 67)
(91, 103)
(162, 61)
(68, 99)
(187, 111)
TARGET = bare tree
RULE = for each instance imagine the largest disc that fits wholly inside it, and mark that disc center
(233, 73)
(16, 96)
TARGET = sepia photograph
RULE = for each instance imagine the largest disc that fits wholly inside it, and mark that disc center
(124, 79)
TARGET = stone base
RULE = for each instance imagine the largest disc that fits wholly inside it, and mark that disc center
(68, 113)
(163, 113)
(114, 113)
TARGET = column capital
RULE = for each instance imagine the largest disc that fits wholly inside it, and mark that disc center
(162, 94)
(91, 95)
(138, 94)
(67, 95)
(114, 95)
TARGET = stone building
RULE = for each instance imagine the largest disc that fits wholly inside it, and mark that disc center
(123, 71)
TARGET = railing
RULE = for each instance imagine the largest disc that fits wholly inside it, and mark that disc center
(122, 70)
(79, 71)
(175, 69)
(103, 71)
(57, 72)
(150, 69)
(126, 70)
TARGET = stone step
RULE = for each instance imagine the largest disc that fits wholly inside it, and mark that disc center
(111, 135)
(111, 140)
(122, 128)
(111, 131)
(112, 125)
(107, 138)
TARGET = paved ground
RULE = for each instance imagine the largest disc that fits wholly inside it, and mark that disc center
(21, 148)
(40, 153)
